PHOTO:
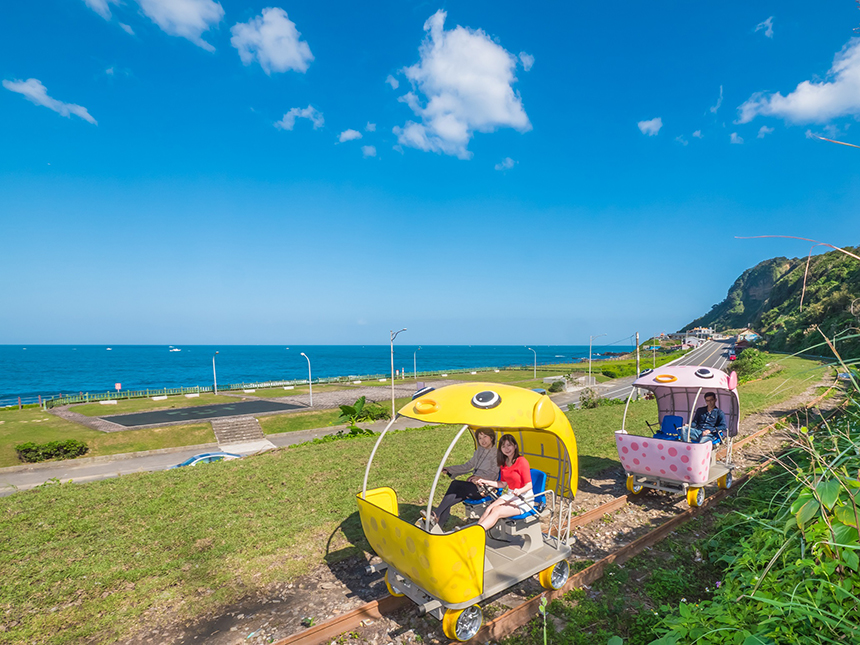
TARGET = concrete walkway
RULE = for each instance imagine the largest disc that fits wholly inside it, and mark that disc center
(84, 469)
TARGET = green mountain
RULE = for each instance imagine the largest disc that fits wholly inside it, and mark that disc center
(766, 298)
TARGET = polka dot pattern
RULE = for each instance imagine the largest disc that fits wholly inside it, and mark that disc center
(676, 460)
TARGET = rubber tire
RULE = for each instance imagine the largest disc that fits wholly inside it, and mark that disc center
(450, 623)
(695, 497)
(545, 576)
(725, 482)
(391, 589)
(634, 488)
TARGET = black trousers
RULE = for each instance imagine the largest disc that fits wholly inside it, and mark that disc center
(456, 493)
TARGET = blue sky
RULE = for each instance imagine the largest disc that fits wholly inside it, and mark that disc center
(186, 171)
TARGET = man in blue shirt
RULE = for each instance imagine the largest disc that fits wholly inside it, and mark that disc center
(708, 422)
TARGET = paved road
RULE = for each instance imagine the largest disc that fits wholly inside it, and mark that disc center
(84, 470)
(713, 353)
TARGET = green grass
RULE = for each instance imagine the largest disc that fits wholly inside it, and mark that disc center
(186, 541)
(294, 421)
(88, 562)
(504, 376)
(794, 376)
(275, 392)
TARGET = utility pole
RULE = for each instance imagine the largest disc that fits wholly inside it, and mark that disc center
(637, 363)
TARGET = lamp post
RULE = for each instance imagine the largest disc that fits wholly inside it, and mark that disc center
(214, 375)
(529, 348)
(415, 363)
(310, 382)
(394, 335)
(590, 341)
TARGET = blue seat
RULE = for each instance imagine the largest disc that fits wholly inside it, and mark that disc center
(539, 501)
(670, 428)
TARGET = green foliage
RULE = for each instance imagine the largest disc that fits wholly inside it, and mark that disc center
(590, 399)
(34, 452)
(361, 410)
(768, 297)
(750, 364)
(557, 386)
(353, 432)
(791, 567)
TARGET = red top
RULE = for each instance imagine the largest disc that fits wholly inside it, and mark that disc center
(518, 475)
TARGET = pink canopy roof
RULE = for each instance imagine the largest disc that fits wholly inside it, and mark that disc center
(680, 389)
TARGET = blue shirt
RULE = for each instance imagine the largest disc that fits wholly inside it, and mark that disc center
(713, 420)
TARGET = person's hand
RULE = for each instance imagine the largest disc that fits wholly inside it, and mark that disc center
(706, 432)
(474, 479)
(445, 471)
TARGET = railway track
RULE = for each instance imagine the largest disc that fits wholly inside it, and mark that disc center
(508, 622)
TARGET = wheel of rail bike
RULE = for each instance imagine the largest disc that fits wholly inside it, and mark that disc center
(556, 576)
(725, 481)
(632, 486)
(391, 588)
(695, 496)
(462, 624)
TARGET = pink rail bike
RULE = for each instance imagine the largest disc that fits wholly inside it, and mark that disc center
(665, 461)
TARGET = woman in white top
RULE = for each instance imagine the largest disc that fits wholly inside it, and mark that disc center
(483, 465)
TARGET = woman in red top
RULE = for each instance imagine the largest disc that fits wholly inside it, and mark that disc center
(515, 472)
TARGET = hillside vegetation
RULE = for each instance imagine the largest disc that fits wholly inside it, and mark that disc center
(767, 298)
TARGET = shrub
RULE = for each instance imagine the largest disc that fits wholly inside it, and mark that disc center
(750, 364)
(361, 410)
(33, 452)
(557, 386)
(589, 398)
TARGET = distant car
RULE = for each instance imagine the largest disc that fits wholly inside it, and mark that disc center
(207, 458)
(733, 356)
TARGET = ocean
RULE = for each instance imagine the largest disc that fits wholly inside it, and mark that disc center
(49, 370)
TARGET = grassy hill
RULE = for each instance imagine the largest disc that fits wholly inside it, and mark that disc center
(767, 299)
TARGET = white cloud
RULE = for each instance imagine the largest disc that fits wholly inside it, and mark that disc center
(505, 164)
(811, 135)
(814, 102)
(101, 7)
(310, 113)
(185, 18)
(652, 127)
(719, 102)
(393, 82)
(763, 131)
(680, 139)
(461, 85)
(273, 40)
(35, 92)
(734, 138)
(349, 135)
(767, 25)
(109, 71)
(370, 127)
(698, 134)
(527, 60)
(368, 151)
(127, 29)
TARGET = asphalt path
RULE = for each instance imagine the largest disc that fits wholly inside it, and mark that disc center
(160, 417)
(712, 353)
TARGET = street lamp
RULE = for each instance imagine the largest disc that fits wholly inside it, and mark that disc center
(415, 363)
(214, 375)
(310, 382)
(393, 336)
(535, 374)
(590, 341)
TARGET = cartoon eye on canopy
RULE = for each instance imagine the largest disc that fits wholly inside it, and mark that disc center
(422, 392)
(486, 399)
(704, 373)
(645, 372)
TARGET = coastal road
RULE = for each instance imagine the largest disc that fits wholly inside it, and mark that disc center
(713, 353)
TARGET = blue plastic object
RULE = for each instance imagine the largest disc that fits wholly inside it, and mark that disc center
(538, 487)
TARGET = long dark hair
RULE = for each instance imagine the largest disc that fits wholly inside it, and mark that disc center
(501, 460)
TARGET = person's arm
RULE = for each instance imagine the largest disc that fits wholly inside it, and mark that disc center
(461, 469)
(695, 422)
(721, 421)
